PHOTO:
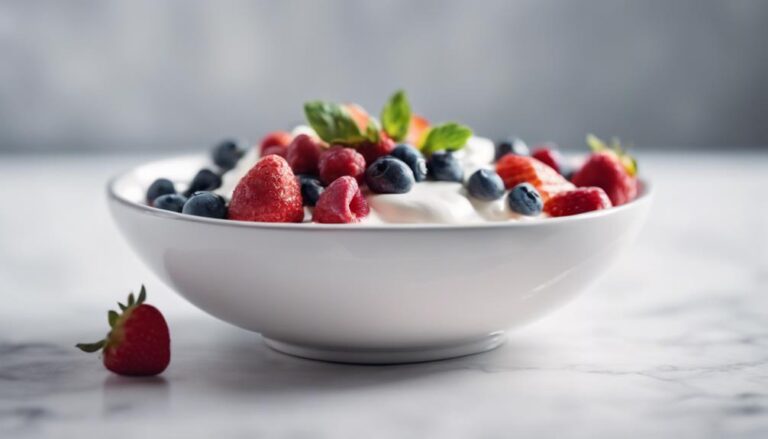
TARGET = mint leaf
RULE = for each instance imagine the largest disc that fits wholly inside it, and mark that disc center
(396, 116)
(333, 124)
(372, 130)
(449, 136)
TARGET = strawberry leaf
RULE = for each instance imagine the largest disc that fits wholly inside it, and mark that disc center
(334, 124)
(597, 145)
(112, 317)
(396, 116)
(449, 136)
(91, 347)
(142, 296)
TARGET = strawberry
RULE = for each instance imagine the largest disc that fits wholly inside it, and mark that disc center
(138, 342)
(303, 154)
(580, 200)
(549, 155)
(416, 130)
(358, 114)
(610, 169)
(274, 139)
(338, 162)
(278, 150)
(373, 150)
(516, 169)
(269, 192)
(341, 202)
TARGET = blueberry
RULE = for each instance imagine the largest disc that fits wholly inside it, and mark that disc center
(388, 175)
(485, 185)
(172, 202)
(511, 145)
(204, 180)
(311, 188)
(443, 166)
(226, 154)
(161, 186)
(413, 158)
(525, 200)
(205, 204)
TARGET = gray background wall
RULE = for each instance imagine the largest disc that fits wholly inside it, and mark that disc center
(157, 75)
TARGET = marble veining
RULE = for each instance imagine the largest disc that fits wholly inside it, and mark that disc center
(672, 343)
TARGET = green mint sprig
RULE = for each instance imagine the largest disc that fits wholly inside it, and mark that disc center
(335, 125)
(396, 116)
(449, 136)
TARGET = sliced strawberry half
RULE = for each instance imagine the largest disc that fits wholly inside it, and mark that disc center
(417, 130)
(574, 202)
(515, 169)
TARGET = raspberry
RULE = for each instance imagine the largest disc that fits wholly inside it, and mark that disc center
(269, 192)
(371, 151)
(275, 138)
(303, 155)
(338, 162)
(341, 202)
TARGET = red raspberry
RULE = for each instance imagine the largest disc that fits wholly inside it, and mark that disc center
(549, 156)
(605, 170)
(275, 138)
(584, 199)
(371, 151)
(338, 162)
(269, 192)
(303, 155)
(341, 202)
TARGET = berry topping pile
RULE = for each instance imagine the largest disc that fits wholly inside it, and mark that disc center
(347, 166)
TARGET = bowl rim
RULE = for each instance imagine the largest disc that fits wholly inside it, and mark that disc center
(645, 196)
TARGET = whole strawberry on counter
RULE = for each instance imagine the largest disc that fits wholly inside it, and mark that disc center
(138, 343)
(611, 169)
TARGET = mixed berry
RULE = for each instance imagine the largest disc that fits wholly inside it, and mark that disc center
(331, 170)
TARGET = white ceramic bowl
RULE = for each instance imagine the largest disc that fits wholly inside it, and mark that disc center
(370, 294)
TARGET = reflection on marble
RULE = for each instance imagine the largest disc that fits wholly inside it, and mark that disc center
(672, 343)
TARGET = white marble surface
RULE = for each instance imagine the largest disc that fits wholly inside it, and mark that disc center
(672, 343)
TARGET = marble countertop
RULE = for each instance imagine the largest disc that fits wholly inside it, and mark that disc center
(672, 343)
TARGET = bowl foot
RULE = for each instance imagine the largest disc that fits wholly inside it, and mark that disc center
(388, 356)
